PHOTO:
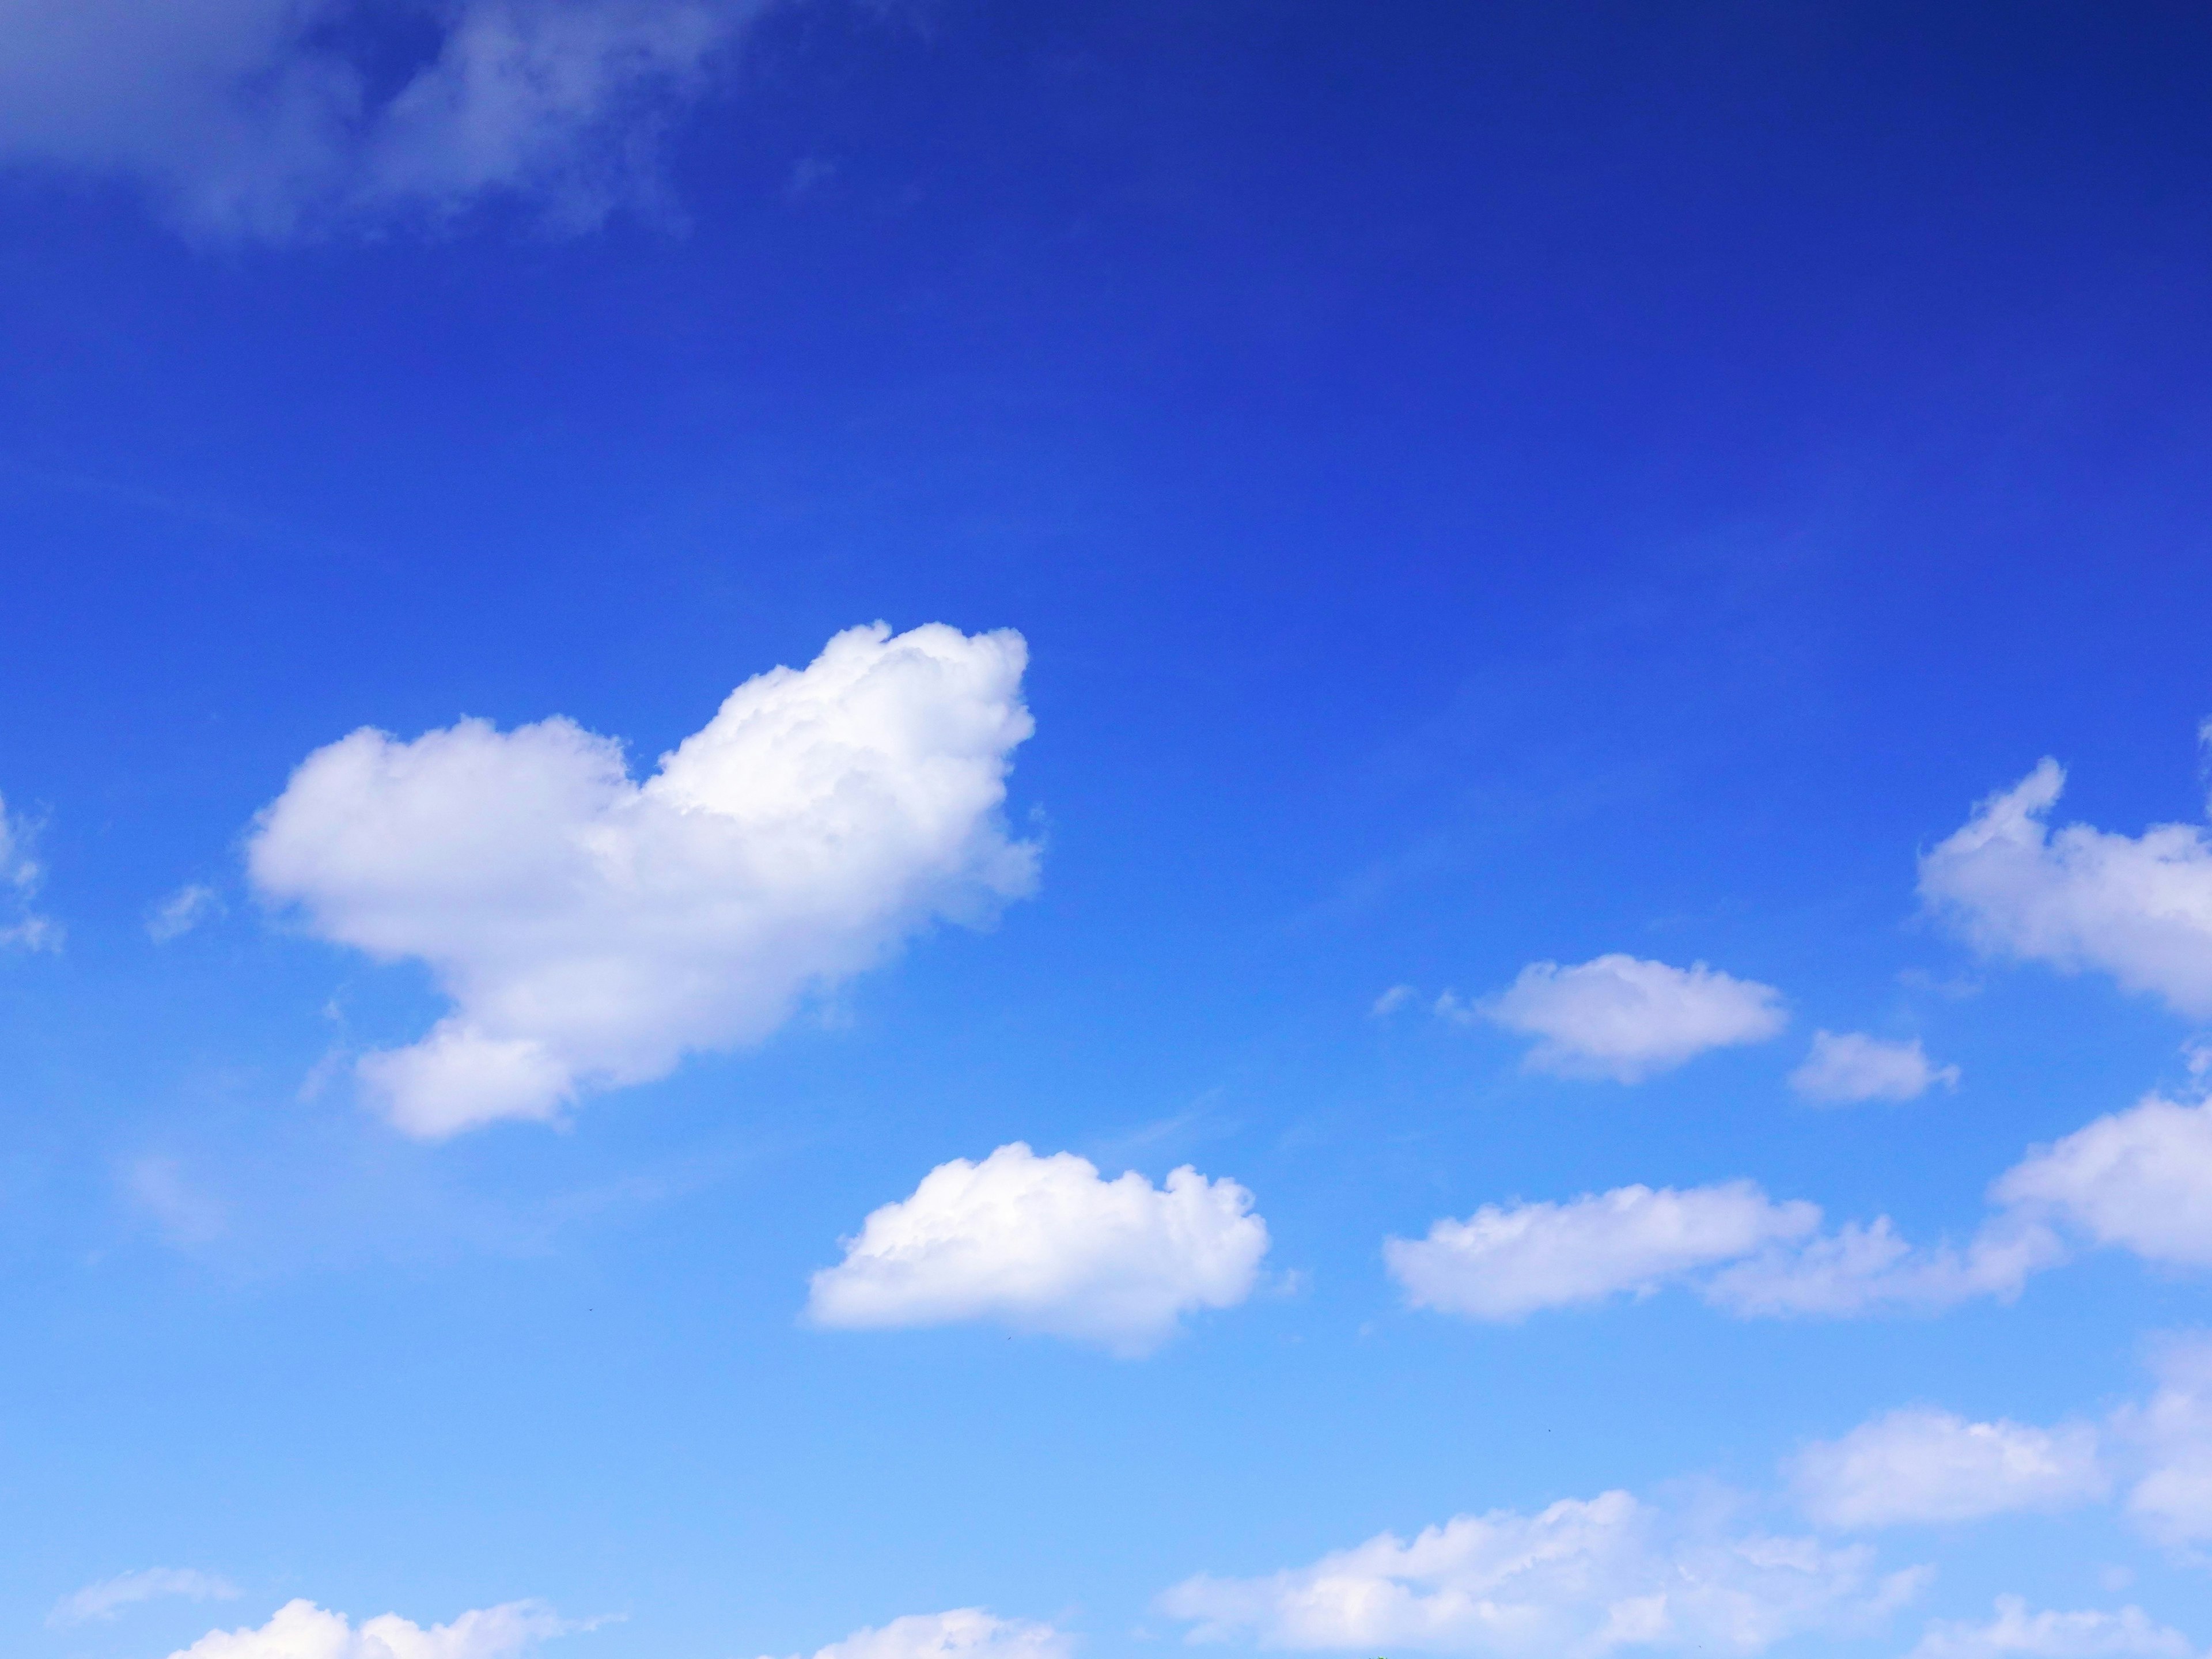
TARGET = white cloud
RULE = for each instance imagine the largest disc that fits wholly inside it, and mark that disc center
(301, 1630)
(1621, 1017)
(182, 911)
(2052, 1635)
(1504, 1263)
(1921, 1465)
(1045, 1244)
(267, 116)
(21, 876)
(591, 930)
(2171, 1434)
(2139, 907)
(1579, 1579)
(1735, 1247)
(1850, 1066)
(963, 1633)
(2140, 1179)
(1865, 1268)
(1393, 999)
(108, 1597)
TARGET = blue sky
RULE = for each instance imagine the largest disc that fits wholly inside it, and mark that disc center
(1484, 577)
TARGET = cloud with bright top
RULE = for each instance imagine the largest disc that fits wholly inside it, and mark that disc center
(590, 929)
(1845, 1067)
(1625, 1018)
(2138, 907)
(301, 1630)
(1047, 1245)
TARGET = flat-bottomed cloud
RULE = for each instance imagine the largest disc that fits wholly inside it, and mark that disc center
(1622, 1017)
(1047, 1244)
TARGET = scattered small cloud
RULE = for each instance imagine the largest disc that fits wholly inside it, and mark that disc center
(21, 877)
(2138, 907)
(1921, 1466)
(962, 1633)
(1580, 1576)
(592, 930)
(1049, 1245)
(1735, 1248)
(1625, 1018)
(182, 911)
(2015, 1630)
(1845, 1067)
(1392, 1000)
(98, 1602)
(1504, 1262)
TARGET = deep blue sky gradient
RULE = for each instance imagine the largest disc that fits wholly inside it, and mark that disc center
(1479, 483)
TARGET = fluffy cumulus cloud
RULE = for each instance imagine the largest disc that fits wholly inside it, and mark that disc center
(1848, 1067)
(267, 116)
(1920, 1465)
(1736, 1248)
(301, 1630)
(2138, 907)
(1504, 1263)
(2140, 1179)
(590, 929)
(1576, 1580)
(20, 876)
(2048, 1635)
(1047, 1244)
(1622, 1017)
(963, 1633)
(110, 1596)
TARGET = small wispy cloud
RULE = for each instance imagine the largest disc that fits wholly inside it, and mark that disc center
(182, 911)
(20, 876)
(98, 1603)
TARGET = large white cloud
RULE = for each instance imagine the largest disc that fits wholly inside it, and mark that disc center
(1505, 1262)
(1047, 1244)
(962, 1633)
(1921, 1465)
(590, 929)
(1579, 1579)
(264, 116)
(301, 1630)
(1622, 1017)
(1846, 1067)
(2140, 1178)
(2139, 907)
